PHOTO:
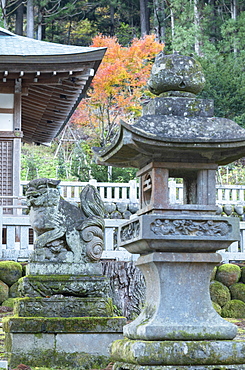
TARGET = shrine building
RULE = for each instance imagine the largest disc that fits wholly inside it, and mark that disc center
(41, 84)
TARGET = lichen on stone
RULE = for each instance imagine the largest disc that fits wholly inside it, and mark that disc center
(176, 73)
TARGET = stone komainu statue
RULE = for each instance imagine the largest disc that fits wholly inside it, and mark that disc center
(65, 232)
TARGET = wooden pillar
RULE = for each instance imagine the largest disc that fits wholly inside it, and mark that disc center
(17, 139)
(10, 144)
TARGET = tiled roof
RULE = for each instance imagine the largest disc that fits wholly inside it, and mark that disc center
(11, 44)
(53, 78)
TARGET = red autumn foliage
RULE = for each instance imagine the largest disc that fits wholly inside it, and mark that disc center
(119, 85)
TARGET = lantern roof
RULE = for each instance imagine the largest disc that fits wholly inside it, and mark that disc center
(52, 78)
(177, 126)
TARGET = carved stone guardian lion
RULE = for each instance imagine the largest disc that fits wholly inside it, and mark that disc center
(65, 232)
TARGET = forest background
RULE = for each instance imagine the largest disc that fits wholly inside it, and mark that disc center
(134, 31)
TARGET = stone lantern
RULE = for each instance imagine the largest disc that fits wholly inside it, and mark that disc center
(177, 137)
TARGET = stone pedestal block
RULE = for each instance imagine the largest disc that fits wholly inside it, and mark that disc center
(78, 342)
(168, 353)
(178, 233)
(177, 308)
(66, 285)
(127, 366)
(61, 307)
(65, 268)
(175, 355)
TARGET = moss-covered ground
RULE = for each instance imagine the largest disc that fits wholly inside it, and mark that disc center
(241, 327)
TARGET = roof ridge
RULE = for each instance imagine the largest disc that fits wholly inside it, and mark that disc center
(3, 31)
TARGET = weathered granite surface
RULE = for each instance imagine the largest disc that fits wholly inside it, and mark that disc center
(64, 268)
(176, 73)
(189, 353)
(63, 325)
(179, 106)
(178, 233)
(67, 285)
(57, 306)
(180, 309)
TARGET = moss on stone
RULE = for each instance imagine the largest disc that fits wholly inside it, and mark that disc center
(68, 285)
(219, 293)
(243, 274)
(228, 274)
(217, 307)
(10, 272)
(54, 359)
(9, 302)
(238, 291)
(13, 290)
(45, 278)
(212, 277)
(4, 292)
(178, 353)
(15, 324)
(234, 308)
(62, 307)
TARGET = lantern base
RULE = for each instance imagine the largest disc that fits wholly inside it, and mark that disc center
(178, 355)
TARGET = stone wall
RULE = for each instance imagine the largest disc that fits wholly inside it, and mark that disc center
(120, 210)
(10, 273)
(227, 290)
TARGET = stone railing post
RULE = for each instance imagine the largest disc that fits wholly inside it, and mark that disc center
(172, 191)
(133, 191)
(93, 182)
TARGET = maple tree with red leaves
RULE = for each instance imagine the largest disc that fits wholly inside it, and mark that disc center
(119, 86)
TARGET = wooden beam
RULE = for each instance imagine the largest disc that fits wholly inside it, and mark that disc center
(6, 89)
(7, 110)
(46, 67)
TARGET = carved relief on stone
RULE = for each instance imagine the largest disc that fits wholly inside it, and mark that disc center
(191, 227)
(65, 232)
(130, 231)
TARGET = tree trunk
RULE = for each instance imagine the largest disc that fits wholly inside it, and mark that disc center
(30, 19)
(159, 20)
(234, 16)
(19, 18)
(213, 25)
(172, 27)
(234, 9)
(127, 287)
(112, 20)
(144, 18)
(39, 26)
(197, 29)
